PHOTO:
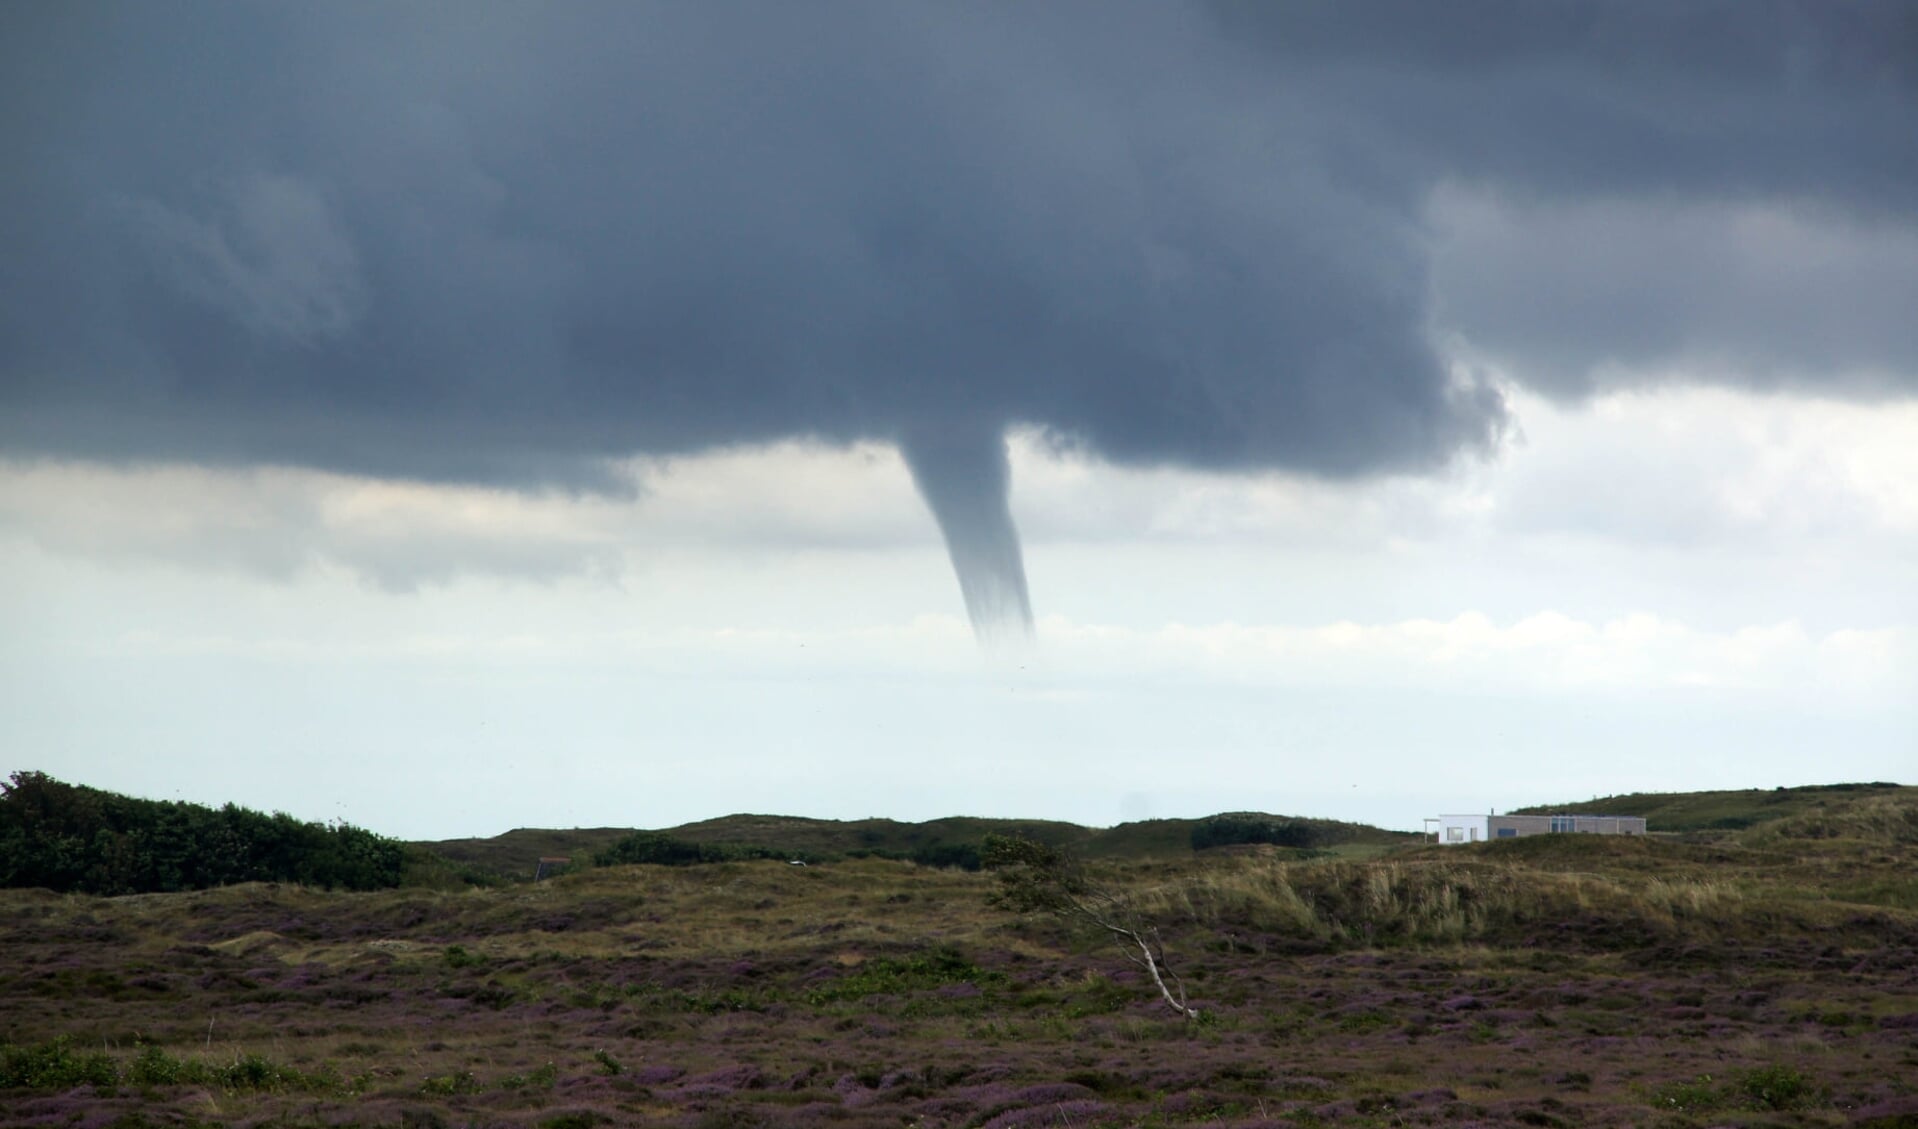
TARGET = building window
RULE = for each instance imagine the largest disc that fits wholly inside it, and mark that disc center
(1563, 823)
(1506, 832)
(1455, 834)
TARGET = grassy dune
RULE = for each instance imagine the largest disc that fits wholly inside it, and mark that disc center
(512, 854)
(1728, 811)
(1763, 976)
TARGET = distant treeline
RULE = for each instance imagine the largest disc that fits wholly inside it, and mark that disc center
(1245, 828)
(946, 856)
(661, 849)
(664, 850)
(71, 838)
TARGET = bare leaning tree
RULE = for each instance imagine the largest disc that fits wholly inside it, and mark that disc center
(1036, 878)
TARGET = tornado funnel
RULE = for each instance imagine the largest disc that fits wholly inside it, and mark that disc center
(965, 477)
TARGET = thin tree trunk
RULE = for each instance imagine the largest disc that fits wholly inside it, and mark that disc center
(1149, 961)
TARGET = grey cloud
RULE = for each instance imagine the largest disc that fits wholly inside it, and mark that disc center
(503, 243)
(1579, 296)
(1723, 186)
(1720, 98)
(275, 260)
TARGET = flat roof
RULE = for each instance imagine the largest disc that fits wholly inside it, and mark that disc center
(1531, 815)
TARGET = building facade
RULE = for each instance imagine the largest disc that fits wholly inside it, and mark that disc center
(1463, 828)
(1455, 829)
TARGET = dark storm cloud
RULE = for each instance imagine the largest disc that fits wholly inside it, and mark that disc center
(1579, 296)
(342, 235)
(501, 243)
(1723, 186)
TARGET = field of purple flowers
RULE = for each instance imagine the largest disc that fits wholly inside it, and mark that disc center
(1766, 981)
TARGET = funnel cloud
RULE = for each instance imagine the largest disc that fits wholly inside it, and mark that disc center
(510, 243)
(965, 478)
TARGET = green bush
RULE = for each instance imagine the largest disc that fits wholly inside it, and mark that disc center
(944, 856)
(70, 838)
(658, 849)
(542, 1078)
(54, 1066)
(949, 856)
(447, 1085)
(1777, 1087)
(887, 976)
(252, 1072)
(1242, 828)
(155, 1067)
(1700, 1095)
(1764, 1088)
(57, 1066)
(429, 870)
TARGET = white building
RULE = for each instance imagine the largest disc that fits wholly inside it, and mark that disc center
(1463, 828)
(1453, 829)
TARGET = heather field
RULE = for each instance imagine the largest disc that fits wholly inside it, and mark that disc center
(1758, 975)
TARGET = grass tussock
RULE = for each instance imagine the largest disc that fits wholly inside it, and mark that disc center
(1385, 902)
(1602, 892)
(1889, 820)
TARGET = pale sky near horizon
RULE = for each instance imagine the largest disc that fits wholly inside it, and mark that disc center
(525, 422)
(775, 630)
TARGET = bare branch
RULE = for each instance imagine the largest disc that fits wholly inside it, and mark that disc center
(1036, 878)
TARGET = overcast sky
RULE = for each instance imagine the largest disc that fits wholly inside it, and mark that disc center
(453, 418)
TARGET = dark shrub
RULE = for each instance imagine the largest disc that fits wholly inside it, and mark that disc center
(664, 850)
(70, 838)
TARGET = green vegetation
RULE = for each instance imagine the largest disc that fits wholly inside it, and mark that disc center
(1774, 1088)
(1750, 977)
(1036, 878)
(664, 850)
(56, 1065)
(961, 856)
(1246, 828)
(952, 842)
(70, 838)
(1721, 811)
(916, 973)
(510, 857)
(834, 837)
